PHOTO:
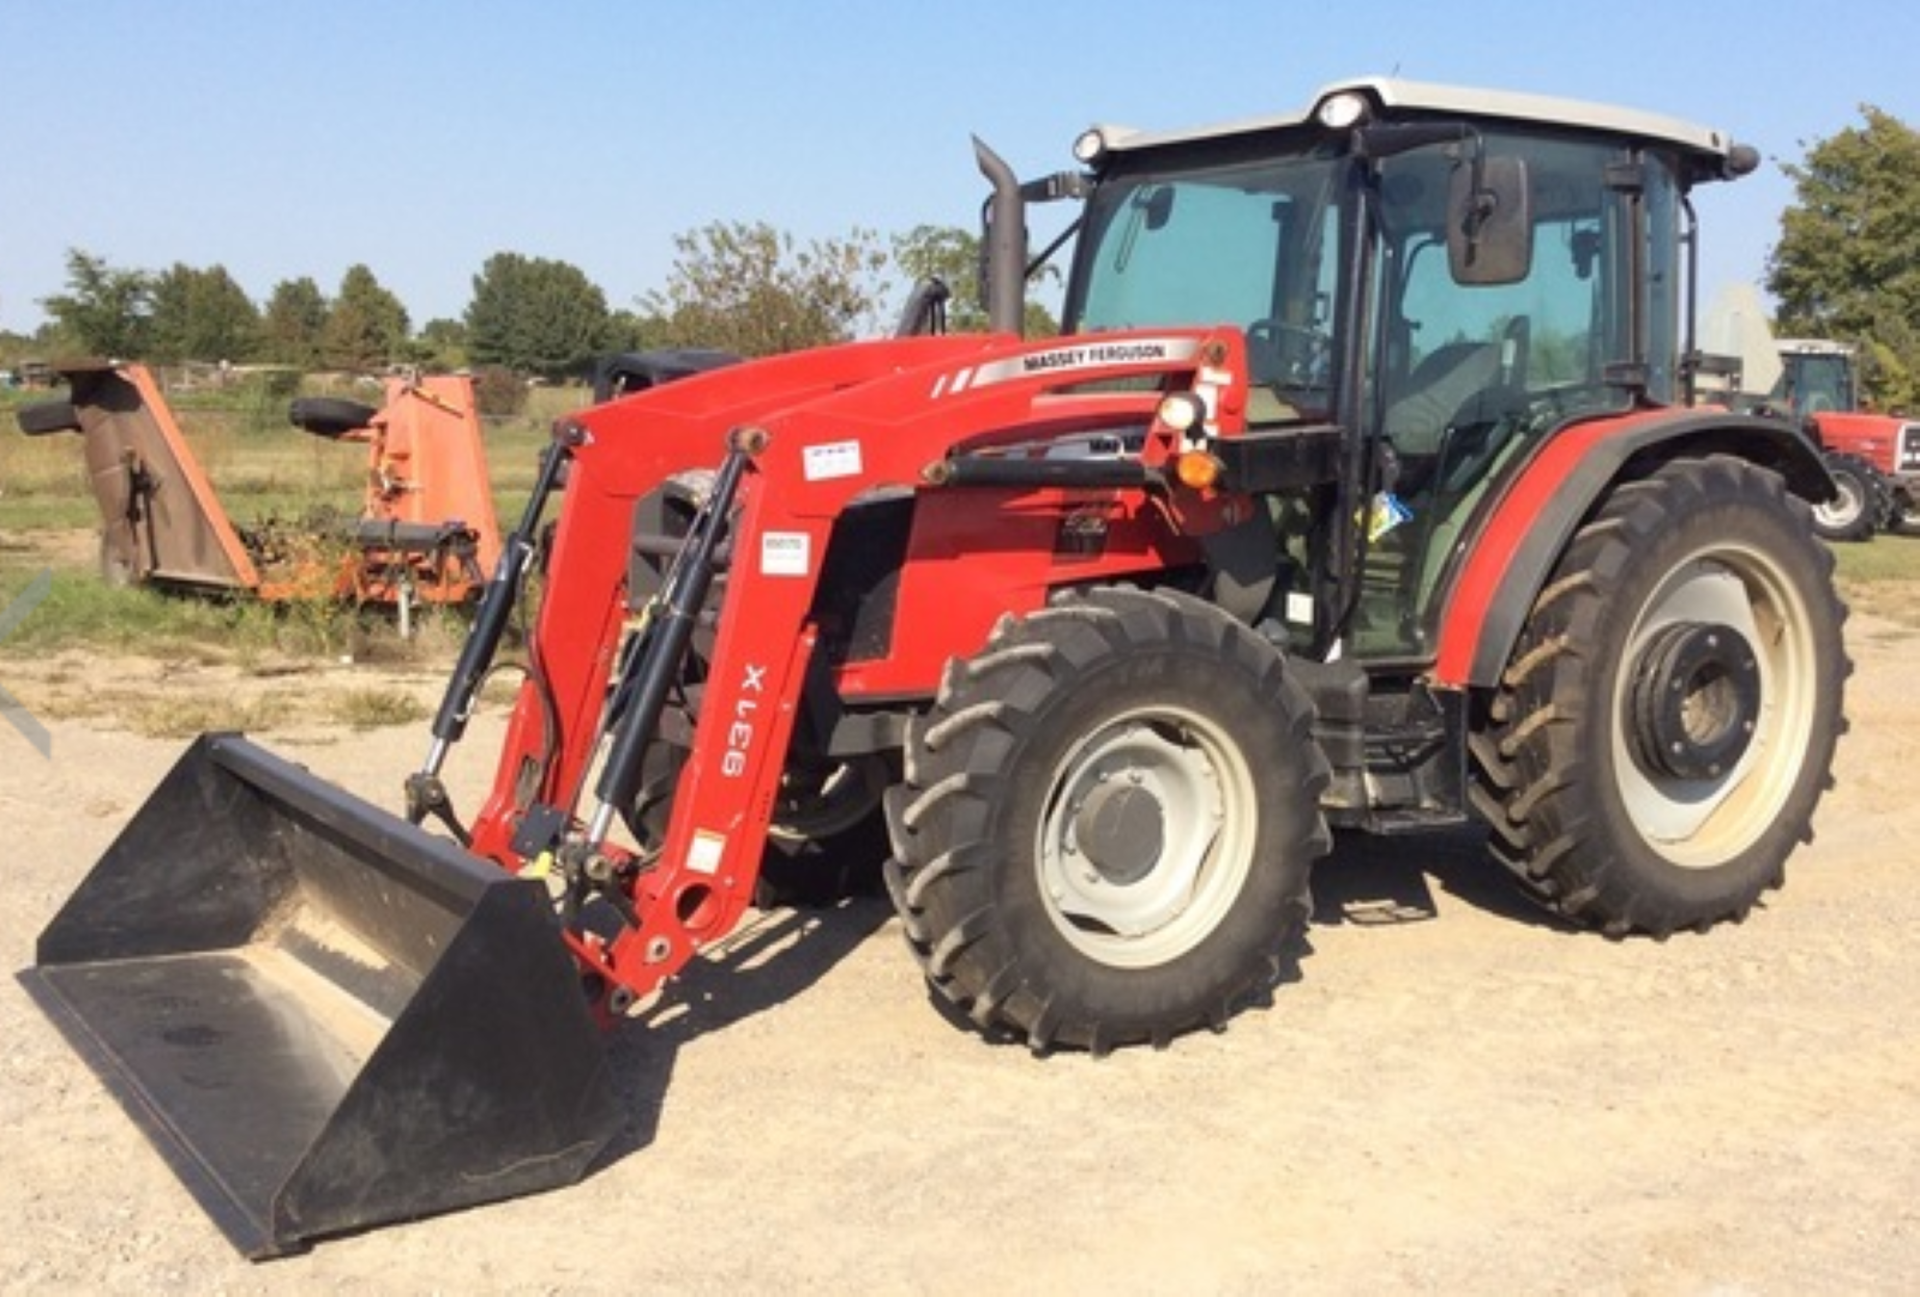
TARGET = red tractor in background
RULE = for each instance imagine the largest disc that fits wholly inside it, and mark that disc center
(1874, 457)
(1364, 491)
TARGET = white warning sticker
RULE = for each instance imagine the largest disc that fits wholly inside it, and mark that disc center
(831, 460)
(786, 553)
(703, 857)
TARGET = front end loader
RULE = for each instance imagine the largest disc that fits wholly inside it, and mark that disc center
(1363, 492)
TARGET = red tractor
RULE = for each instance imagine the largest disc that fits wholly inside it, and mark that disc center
(1874, 458)
(1363, 492)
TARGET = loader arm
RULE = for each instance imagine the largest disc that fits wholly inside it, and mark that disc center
(805, 439)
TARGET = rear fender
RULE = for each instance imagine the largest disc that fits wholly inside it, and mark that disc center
(1511, 554)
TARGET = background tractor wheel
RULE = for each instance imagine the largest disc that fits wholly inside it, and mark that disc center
(1856, 512)
(1107, 822)
(1903, 514)
(1666, 725)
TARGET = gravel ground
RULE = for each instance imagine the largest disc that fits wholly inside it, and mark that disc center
(1458, 1095)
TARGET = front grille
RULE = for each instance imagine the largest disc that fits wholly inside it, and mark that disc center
(1908, 459)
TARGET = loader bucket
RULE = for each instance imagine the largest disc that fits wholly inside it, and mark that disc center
(323, 1017)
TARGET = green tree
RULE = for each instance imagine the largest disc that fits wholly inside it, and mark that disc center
(367, 327)
(442, 344)
(750, 289)
(294, 325)
(1847, 265)
(535, 316)
(104, 310)
(952, 254)
(633, 331)
(202, 315)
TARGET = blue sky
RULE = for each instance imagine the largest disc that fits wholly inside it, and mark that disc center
(293, 137)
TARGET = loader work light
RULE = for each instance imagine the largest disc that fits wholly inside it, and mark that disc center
(1090, 147)
(1182, 411)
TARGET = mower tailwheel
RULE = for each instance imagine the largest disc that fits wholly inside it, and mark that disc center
(43, 417)
(1666, 725)
(1107, 823)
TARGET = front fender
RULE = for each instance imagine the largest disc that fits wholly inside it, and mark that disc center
(1511, 555)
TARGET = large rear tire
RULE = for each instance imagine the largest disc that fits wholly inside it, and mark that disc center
(1666, 725)
(1108, 821)
(828, 838)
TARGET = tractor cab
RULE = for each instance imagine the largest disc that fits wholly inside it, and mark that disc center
(1443, 276)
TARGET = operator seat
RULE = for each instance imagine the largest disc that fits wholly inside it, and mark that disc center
(1443, 421)
(1452, 386)
(1452, 427)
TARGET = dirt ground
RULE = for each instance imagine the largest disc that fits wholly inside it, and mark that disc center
(1459, 1095)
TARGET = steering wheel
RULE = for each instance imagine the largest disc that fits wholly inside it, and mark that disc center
(1283, 354)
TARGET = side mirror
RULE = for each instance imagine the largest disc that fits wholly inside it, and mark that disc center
(1489, 222)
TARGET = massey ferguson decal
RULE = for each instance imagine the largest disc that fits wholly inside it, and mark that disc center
(1150, 352)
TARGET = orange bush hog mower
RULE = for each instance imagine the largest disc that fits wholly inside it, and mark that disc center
(426, 534)
(1361, 492)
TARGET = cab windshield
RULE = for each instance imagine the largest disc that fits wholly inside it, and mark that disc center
(1250, 244)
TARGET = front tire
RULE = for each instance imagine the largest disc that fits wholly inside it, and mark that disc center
(1855, 513)
(1108, 821)
(1667, 723)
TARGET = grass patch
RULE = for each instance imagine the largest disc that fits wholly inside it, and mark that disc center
(182, 718)
(1882, 578)
(367, 709)
(81, 611)
(169, 716)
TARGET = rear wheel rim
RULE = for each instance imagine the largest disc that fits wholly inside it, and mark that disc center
(1697, 820)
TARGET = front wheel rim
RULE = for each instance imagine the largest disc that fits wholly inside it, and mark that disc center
(1146, 838)
(1844, 509)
